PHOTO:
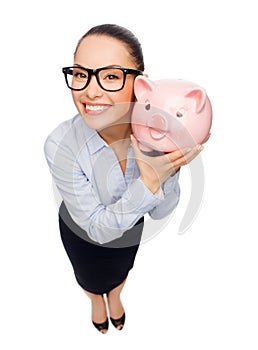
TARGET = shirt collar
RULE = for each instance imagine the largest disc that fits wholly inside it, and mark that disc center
(93, 140)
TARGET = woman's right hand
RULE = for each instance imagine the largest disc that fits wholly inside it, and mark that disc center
(156, 170)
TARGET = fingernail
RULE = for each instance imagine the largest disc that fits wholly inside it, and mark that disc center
(199, 147)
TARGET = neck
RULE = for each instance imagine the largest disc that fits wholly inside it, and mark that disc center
(117, 132)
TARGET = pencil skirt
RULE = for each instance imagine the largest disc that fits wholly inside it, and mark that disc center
(98, 268)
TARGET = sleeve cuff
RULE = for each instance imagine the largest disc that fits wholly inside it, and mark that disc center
(160, 194)
(141, 198)
(170, 183)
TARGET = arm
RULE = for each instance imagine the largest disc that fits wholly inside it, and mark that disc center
(103, 223)
(161, 172)
(171, 193)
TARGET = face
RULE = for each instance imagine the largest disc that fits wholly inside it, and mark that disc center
(99, 108)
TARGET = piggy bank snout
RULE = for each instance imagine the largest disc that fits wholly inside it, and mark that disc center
(158, 126)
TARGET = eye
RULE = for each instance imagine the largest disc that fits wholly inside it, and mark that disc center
(109, 74)
(79, 75)
(112, 77)
(180, 113)
(147, 105)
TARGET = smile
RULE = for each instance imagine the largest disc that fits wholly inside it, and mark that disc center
(95, 109)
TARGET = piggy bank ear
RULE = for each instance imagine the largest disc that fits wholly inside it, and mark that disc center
(199, 95)
(142, 87)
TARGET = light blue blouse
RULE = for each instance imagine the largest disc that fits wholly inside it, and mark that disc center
(99, 197)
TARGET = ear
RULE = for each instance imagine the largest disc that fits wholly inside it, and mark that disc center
(142, 86)
(199, 95)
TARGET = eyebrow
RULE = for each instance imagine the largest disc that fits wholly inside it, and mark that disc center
(110, 66)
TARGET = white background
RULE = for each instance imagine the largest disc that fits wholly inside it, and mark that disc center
(194, 291)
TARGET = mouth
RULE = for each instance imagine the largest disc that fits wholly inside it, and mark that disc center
(157, 134)
(95, 109)
(158, 127)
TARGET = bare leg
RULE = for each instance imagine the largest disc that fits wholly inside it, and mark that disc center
(98, 308)
(116, 309)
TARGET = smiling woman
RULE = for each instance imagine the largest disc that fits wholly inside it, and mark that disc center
(105, 51)
(106, 183)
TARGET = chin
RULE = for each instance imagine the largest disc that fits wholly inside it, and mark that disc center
(94, 124)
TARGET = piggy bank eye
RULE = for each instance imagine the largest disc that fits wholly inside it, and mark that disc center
(147, 105)
(180, 113)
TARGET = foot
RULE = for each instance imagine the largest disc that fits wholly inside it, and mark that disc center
(118, 323)
(116, 310)
(99, 313)
(101, 327)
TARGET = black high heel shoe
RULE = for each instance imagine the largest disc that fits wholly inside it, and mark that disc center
(119, 322)
(101, 326)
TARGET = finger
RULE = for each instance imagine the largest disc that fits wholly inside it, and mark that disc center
(178, 154)
(189, 156)
(135, 147)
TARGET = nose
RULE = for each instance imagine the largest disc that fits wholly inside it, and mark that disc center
(93, 90)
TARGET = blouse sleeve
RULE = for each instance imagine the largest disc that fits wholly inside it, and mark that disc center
(171, 193)
(103, 223)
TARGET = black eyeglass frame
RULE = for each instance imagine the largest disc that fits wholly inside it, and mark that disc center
(95, 72)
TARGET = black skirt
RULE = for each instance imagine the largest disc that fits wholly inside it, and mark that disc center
(98, 268)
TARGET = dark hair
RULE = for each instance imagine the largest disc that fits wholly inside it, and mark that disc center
(122, 34)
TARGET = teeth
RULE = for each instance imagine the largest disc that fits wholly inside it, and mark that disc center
(95, 108)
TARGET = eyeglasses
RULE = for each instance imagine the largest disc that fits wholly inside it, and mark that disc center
(109, 78)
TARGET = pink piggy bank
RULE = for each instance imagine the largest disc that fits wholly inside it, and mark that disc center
(170, 114)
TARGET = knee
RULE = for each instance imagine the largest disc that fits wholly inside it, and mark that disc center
(93, 297)
(96, 297)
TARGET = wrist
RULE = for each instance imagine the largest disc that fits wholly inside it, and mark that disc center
(152, 184)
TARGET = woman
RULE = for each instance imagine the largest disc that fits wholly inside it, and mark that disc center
(107, 184)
